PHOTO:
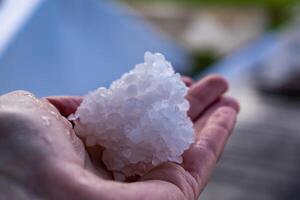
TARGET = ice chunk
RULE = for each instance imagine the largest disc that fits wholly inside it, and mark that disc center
(141, 120)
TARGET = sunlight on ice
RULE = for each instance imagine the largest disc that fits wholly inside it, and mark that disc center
(141, 120)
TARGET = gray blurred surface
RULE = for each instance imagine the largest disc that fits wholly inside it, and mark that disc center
(261, 160)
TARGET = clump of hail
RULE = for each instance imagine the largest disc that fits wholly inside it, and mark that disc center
(141, 120)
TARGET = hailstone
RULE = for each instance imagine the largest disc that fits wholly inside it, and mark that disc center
(141, 120)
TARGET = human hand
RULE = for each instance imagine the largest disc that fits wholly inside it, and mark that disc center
(40, 156)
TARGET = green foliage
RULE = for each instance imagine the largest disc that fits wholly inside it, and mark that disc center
(279, 11)
(200, 61)
(272, 3)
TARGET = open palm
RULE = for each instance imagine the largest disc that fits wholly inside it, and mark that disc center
(42, 158)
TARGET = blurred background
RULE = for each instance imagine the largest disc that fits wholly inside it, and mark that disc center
(63, 47)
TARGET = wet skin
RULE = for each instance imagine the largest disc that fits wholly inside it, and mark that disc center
(42, 158)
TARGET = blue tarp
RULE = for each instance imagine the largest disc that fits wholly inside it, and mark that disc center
(71, 47)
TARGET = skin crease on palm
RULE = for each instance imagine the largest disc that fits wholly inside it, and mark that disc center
(42, 158)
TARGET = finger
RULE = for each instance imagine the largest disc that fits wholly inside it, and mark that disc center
(187, 80)
(204, 93)
(95, 154)
(65, 104)
(224, 101)
(201, 158)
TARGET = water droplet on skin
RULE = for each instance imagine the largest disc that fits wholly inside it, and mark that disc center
(68, 133)
(54, 114)
(46, 120)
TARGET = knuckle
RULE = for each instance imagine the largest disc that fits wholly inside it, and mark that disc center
(208, 148)
(216, 80)
(205, 150)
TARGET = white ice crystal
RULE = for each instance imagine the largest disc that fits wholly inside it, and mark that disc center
(141, 120)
